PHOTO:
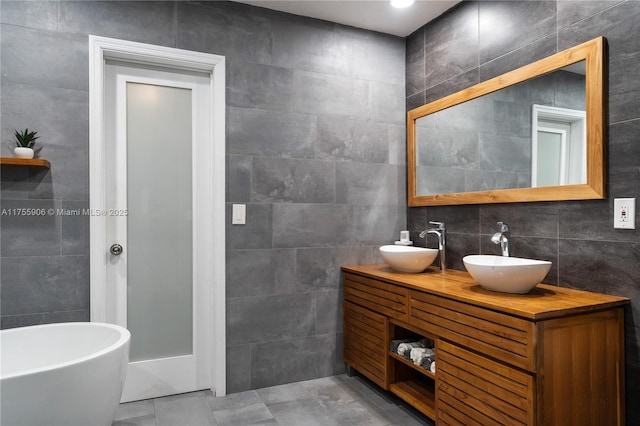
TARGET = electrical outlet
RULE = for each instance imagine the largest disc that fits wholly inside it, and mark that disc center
(239, 214)
(624, 213)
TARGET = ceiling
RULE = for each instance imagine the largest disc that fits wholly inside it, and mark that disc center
(376, 15)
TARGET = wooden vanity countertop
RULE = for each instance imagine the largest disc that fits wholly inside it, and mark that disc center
(543, 302)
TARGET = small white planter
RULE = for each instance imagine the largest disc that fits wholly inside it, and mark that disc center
(21, 152)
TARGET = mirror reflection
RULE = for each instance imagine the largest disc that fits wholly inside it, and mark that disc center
(530, 134)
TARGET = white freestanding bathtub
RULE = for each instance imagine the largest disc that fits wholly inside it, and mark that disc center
(62, 374)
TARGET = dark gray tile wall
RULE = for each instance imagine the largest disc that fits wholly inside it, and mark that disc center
(578, 236)
(315, 148)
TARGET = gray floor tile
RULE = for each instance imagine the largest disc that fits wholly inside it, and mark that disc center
(131, 410)
(149, 420)
(234, 401)
(188, 409)
(328, 401)
(251, 414)
(284, 393)
(306, 412)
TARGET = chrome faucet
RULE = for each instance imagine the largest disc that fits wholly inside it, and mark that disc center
(440, 230)
(502, 238)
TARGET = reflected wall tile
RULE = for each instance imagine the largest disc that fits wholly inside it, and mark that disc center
(512, 118)
(260, 272)
(504, 153)
(136, 21)
(287, 361)
(439, 180)
(476, 115)
(480, 180)
(270, 318)
(292, 180)
(453, 147)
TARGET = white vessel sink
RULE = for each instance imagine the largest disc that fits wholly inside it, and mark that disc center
(408, 258)
(506, 274)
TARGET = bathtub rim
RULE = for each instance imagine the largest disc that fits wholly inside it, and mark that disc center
(123, 339)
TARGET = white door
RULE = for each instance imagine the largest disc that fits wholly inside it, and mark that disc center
(157, 123)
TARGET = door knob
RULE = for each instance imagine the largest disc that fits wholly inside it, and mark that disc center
(116, 249)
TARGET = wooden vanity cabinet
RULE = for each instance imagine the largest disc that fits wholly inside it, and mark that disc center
(554, 356)
(365, 337)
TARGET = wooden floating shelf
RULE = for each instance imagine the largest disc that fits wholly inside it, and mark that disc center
(30, 162)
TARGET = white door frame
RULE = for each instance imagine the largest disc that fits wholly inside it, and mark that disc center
(100, 50)
(576, 120)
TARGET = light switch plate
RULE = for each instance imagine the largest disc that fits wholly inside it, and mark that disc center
(239, 214)
(624, 213)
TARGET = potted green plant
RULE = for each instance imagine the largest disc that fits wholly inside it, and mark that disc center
(25, 141)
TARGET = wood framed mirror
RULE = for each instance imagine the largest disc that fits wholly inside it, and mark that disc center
(533, 134)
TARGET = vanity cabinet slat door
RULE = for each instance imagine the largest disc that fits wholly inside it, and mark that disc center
(366, 342)
(387, 299)
(495, 334)
(467, 383)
